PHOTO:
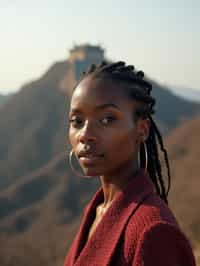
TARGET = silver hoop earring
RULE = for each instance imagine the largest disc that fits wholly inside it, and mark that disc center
(72, 167)
(146, 157)
(139, 164)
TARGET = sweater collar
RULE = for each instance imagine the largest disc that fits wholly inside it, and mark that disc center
(113, 221)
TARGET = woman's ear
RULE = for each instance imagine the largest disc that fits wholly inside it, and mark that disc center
(143, 128)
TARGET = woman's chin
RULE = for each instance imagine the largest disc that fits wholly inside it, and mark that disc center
(91, 172)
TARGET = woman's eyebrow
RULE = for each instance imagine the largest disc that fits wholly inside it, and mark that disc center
(106, 105)
(99, 107)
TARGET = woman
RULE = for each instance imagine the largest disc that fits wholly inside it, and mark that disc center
(113, 136)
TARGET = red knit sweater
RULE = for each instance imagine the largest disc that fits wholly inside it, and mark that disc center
(138, 229)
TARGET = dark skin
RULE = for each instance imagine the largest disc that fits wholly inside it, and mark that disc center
(110, 131)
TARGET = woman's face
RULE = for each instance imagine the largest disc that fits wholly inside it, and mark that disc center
(102, 119)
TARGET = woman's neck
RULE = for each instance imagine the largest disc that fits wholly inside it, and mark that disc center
(112, 184)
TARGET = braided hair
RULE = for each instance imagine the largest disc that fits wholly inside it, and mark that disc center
(139, 90)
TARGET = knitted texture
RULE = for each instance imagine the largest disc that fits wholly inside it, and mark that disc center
(138, 229)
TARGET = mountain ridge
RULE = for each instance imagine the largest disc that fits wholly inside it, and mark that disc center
(187, 93)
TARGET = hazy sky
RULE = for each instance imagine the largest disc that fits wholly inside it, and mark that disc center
(160, 37)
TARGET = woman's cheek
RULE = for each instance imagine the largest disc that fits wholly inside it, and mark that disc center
(72, 137)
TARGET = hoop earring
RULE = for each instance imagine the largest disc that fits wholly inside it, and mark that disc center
(146, 157)
(73, 168)
(139, 164)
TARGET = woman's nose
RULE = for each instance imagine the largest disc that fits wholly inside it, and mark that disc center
(87, 133)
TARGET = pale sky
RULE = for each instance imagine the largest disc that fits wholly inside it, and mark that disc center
(160, 37)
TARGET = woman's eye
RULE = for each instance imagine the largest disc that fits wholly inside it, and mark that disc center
(75, 121)
(108, 119)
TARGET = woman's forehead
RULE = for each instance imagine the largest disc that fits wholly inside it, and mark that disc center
(98, 92)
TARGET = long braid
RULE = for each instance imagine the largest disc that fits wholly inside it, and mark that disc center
(140, 90)
(153, 147)
(157, 132)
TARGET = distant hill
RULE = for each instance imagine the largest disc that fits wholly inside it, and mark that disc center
(172, 110)
(40, 214)
(3, 99)
(184, 153)
(187, 93)
(33, 130)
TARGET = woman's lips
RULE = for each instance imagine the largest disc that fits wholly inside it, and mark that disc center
(90, 159)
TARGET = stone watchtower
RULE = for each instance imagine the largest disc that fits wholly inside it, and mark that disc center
(80, 58)
(86, 52)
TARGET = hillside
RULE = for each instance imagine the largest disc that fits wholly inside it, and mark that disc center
(188, 93)
(3, 99)
(171, 109)
(42, 212)
(184, 147)
(33, 130)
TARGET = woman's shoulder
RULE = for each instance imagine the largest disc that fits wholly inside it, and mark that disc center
(153, 209)
(163, 243)
(150, 213)
(154, 229)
